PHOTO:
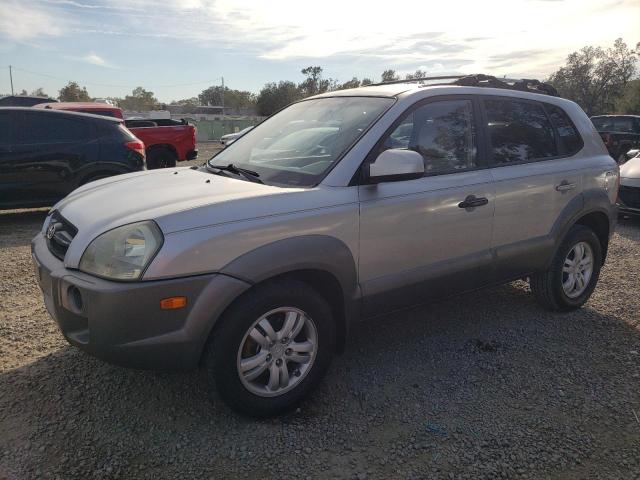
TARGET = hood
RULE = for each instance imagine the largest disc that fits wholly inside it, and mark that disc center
(631, 168)
(176, 199)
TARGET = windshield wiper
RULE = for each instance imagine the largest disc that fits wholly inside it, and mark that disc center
(248, 174)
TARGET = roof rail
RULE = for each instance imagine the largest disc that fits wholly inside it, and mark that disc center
(481, 80)
(421, 79)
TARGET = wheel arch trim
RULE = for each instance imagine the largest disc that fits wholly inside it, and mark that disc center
(588, 202)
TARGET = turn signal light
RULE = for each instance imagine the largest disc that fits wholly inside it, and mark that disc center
(173, 303)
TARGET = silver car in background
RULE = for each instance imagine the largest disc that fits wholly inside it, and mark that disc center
(229, 138)
(340, 207)
(629, 195)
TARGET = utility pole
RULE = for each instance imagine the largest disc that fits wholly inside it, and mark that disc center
(11, 78)
(222, 96)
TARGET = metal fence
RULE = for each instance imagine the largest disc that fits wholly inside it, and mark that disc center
(210, 127)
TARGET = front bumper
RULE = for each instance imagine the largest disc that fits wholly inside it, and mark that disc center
(629, 199)
(122, 323)
(192, 155)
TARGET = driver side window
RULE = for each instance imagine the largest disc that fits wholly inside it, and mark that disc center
(442, 132)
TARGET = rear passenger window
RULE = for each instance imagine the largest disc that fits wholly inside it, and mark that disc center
(442, 132)
(52, 128)
(570, 141)
(5, 125)
(519, 132)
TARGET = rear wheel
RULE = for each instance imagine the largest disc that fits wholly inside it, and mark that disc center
(271, 349)
(573, 274)
(161, 158)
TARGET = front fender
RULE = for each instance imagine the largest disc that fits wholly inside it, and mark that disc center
(308, 252)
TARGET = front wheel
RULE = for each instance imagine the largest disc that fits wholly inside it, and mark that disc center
(271, 349)
(573, 274)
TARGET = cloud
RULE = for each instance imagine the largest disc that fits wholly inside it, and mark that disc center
(92, 59)
(21, 23)
(443, 36)
(96, 59)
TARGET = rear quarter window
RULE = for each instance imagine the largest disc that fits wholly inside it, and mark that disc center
(568, 136)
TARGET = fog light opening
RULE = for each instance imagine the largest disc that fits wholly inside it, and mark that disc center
(75, 299)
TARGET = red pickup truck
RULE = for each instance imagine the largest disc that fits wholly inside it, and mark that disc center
(166, 141)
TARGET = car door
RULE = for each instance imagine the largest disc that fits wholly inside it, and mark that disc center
(536, 176)
(418, 239)
(50, 148)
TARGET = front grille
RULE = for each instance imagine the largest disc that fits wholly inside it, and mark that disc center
(59, 235)
(630, 196)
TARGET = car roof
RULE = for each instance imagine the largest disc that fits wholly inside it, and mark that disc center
(411, 89)
(384, 90)
(48, 99)
(50, 111)
(83, 105)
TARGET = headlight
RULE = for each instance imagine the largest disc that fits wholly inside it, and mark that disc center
(122, 253)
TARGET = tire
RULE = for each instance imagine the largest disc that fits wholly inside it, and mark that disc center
(548, 286)
(231, 346)
(161, 158)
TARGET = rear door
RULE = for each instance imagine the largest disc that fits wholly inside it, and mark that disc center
(50, 150)
(533, 150)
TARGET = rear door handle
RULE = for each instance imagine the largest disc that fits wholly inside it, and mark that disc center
(565, 186)
(473, 201)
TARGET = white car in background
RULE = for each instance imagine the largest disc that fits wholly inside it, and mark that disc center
(629, 194)
(229, 138)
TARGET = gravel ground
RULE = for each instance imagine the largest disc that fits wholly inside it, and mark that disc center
(484, 386)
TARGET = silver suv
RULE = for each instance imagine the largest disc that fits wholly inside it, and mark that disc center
(338, 208)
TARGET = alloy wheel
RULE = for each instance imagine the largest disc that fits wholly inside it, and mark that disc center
(577, 270)
(277, 352)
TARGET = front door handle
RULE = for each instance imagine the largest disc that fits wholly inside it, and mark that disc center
(565, 186)
(473, 201)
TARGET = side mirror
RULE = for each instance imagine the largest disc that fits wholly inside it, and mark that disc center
(632, 153)
(396, 164)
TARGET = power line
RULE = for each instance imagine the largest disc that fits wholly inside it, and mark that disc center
(212, 81)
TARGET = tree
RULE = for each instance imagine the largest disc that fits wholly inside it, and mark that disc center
(366, 81)
(596, 78)
(73, 93)
(186, 105)
(233, 99)
(389, 76)
(314, 83)
(274, 96)
(418, 74)
(39, 92)
(23, 92)
(629, 102)
(353, 83)
(140, 100)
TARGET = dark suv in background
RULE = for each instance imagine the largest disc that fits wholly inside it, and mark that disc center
(23, 100)
(620, 133)
(46, 154)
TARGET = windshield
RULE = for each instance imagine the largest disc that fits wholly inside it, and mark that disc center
(613, 124)
(298, 145)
